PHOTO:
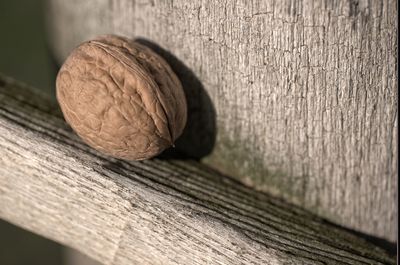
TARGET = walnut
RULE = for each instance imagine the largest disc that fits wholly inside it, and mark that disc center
(121, 98)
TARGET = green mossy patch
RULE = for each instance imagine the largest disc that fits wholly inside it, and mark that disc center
(237, 160)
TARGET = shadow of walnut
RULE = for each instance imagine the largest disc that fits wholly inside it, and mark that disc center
(198, 137)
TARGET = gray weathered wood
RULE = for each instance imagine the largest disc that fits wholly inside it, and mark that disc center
(304, 92)
(160, 211)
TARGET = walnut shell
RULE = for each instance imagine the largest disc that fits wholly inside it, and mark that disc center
(121, 98)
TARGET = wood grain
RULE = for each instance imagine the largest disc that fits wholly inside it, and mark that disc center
(159, 211)
(304, 92)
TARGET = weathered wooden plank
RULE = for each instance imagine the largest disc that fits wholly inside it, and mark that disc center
(304, 98)
(160, 211)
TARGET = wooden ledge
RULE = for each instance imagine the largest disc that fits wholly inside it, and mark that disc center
(158, 211)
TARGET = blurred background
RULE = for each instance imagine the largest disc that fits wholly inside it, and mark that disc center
(25, 56)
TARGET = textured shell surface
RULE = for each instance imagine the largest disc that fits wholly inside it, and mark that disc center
(121, 98)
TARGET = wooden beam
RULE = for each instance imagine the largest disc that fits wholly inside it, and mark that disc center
(297, 98)
(159, 211)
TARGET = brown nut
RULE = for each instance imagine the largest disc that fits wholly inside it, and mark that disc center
(121, 98)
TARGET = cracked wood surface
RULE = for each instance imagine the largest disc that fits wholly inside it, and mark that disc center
(160, 211)
(303, 93)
